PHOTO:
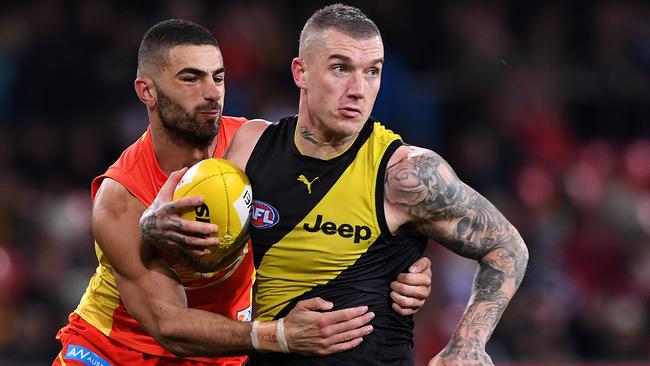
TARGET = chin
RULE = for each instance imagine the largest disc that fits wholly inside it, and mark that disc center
(351, 126)
(208, 120)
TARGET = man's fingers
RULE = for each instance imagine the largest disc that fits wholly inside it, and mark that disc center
(195, 228)
(175, 223)
(182, 205)
(406, 307)
(353, 328)
(415, 279)
(182, 241)
(420, 265)
(181, 232)
(315, 304)
(351, 334)
(343, 326)
(197, 252)
(199, 243)
(167, 189)
(349, 339)
(175, 243)
(419, 292)
(312, 328)
(339, 347)
(403, 311)
(343, 315)
(408, 299)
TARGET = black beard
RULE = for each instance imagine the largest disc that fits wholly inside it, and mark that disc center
(183, 127)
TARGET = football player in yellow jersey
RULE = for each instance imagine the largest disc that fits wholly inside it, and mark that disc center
(338, 71)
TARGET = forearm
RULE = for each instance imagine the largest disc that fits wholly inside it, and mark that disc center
(194, 332)
(309, 329)
(423, 188)
(498, 276)
(159, 304)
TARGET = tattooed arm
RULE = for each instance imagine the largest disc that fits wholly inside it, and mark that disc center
(421, 189)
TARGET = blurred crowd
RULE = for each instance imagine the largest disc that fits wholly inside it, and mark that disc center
(543, 107)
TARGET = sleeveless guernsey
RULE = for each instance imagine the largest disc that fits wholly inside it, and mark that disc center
(318, 230)
(227, 292)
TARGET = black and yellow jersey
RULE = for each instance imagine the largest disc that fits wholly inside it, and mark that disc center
(318, 230)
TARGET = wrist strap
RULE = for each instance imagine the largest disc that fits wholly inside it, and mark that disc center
(254, 340)
(282, 339)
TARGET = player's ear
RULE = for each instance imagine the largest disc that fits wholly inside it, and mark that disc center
(298, 71)
(146, 91)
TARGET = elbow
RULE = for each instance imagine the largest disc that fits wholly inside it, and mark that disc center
(510, 257)
(524, 251)
(520, 252)
(167, 336)
(176, 350)
(171, 345)
(165, 333)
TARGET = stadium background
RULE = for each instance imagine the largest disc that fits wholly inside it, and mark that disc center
(542, 106)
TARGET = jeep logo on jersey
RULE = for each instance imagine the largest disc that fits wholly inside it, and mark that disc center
(359, 232)
(263, 215)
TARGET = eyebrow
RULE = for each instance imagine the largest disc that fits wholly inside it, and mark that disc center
(349, 60)
(200, 73)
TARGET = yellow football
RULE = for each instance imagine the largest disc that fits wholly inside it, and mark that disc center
(228, 200)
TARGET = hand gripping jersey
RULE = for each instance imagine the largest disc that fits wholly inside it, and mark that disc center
(318, 229)
(227, 292)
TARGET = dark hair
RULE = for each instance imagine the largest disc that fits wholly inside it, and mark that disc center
(344, 18)
(169, 33)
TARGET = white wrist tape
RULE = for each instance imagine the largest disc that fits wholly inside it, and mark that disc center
(254, 340)
(282, 339)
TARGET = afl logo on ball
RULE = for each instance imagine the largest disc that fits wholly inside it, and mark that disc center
(263, 215)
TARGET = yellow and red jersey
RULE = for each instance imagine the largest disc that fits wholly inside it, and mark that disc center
(227, 292)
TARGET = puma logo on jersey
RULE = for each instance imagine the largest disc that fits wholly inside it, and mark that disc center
(359, 232)
(304, 179)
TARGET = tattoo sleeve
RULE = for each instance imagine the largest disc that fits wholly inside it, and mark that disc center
(453, 214)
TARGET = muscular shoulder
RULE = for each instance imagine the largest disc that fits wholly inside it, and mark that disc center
(414, 172)
(115, 219)
(417, 180)
(245, 139)
(113, 200)
(254, 127)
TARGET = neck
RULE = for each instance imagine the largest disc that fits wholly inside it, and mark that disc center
(315, 140)
(171, 155)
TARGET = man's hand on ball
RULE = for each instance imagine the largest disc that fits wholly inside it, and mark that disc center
(162, 226)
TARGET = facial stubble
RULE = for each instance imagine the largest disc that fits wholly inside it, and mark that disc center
(183, 127)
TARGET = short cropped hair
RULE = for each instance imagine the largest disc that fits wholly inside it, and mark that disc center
(344, 18)
(167, 34)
